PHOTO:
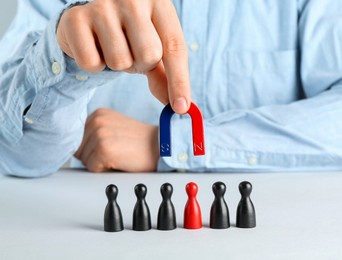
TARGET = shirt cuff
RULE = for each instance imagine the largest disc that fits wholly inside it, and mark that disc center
(37, 70)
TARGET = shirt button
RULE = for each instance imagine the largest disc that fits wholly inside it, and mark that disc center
(56, 68)
(28, 120)
(182, 157)
(194, 46)
(252, 160)
(82, 77)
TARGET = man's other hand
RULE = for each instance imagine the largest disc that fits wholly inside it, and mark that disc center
(113, 141)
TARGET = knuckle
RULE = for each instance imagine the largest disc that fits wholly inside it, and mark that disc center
(150, 56)
(129, 8)
(101, 111)
(174, 45)
(89, 64)
(99, 117)
(74, 16)
(119, 62)
(97, 122)
(99, 8)
(181, 82)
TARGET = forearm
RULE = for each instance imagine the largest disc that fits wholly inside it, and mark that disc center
(39, 75)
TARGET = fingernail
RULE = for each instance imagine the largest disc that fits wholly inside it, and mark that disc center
(179, 105)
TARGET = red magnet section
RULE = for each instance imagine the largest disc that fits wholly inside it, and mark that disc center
(197, 130)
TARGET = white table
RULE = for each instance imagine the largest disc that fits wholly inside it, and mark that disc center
(299, 216)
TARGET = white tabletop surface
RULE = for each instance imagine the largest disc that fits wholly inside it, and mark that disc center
(299, 216)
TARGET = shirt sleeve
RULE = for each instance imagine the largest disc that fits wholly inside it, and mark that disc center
(35, 73)
(303, 135)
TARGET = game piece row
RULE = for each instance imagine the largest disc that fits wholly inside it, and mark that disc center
(219, 213)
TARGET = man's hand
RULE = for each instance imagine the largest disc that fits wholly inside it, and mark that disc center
(113, 141)
(136, 36)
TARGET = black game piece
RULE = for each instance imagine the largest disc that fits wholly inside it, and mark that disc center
(166, 213)
(112, 216)
(245, 214)
(219, 213)
(141, 213)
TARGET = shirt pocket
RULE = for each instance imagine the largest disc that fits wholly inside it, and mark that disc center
(262, 78)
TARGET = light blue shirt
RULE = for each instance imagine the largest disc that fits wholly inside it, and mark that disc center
(265, 73)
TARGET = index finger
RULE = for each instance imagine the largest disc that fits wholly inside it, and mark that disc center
(175, 55)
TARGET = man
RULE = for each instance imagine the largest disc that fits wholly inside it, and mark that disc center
(266, 75)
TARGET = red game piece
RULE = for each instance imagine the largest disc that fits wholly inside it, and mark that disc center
(192, 211)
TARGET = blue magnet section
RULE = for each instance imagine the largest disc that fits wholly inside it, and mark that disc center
(165, 131)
